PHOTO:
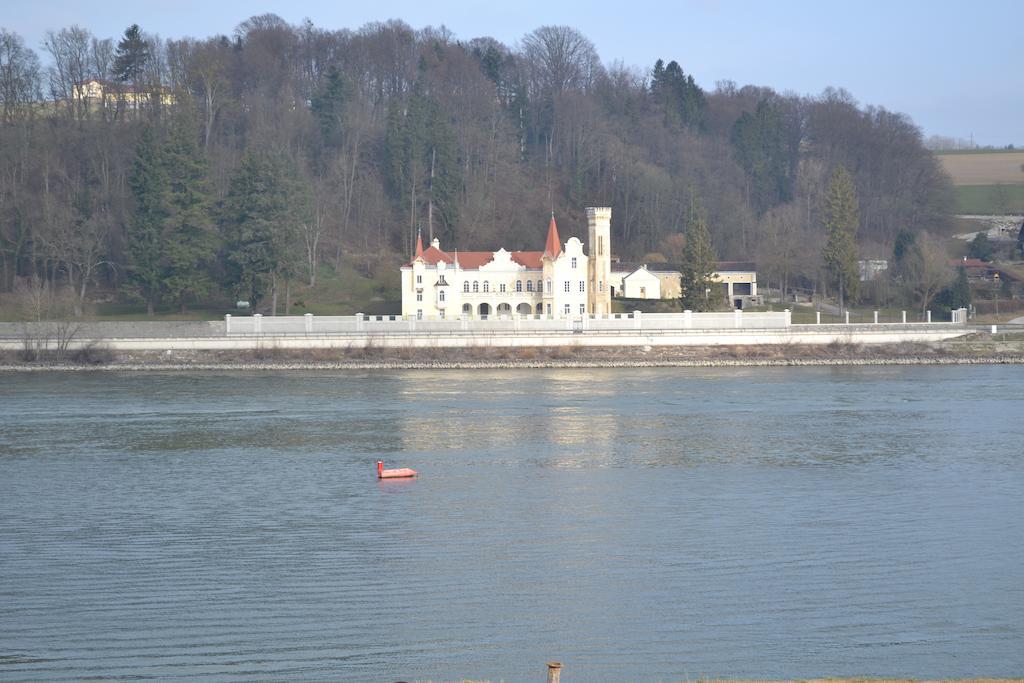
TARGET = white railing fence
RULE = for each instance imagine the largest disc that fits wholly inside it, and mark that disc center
(361, 324)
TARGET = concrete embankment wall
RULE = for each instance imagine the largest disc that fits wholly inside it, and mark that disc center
(210, 340)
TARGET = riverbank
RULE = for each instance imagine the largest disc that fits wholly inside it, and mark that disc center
(969, 352)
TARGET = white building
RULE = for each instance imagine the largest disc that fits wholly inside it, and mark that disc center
(561, 281)
(871, 269)
(738, 280)
(641, 284)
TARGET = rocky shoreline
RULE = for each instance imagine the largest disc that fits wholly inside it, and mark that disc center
(947, 353)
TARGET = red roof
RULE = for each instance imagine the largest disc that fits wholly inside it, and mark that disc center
(553, 247)
(473, 260)
(529, 259)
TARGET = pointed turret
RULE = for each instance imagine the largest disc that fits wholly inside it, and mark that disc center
(419, 245)
(553, 247)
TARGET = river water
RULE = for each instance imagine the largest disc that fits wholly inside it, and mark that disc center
(649, 525)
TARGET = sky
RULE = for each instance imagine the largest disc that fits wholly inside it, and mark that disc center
(956, 68)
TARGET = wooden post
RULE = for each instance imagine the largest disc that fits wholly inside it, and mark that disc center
(554, 672)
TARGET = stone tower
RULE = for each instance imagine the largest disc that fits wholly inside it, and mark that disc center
(599, 263)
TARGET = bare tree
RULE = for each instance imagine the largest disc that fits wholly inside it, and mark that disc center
(70, 54)
(781, 238)
(926, 269)
(559, 59)
(19, 76)
(207, 69)
(313, 226)
(79, 247)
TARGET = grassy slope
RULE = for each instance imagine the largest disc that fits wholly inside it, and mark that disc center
(337, 293)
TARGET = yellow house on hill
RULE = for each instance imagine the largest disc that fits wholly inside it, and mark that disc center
(107, 94)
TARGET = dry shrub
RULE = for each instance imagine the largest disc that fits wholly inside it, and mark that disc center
(528, 352)
(267, 353)
(93, 354)
(561, 353)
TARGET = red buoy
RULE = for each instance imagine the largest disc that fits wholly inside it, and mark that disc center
(393, 474)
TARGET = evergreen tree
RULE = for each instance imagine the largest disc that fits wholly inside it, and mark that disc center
(980, 247)
(258, 224)
(397, 155)
(191, 243)
(444, 171)
(132, 55)
(903, 248)
(841, 220)
(144, 234)
(761, 148)
(698, 267)
(907, 262)
(423, 168)
(684, 100)
(490, 62)
(328, 106)
(960, 295)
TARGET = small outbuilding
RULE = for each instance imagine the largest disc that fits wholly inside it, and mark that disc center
(641, 284)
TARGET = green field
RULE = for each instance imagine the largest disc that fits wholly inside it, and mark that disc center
(989, 199)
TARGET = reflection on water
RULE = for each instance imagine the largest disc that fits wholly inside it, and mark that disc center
(654, 524)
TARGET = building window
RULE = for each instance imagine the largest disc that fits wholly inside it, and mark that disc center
(565, 286)
(419, 279)
(583, 309)
(549, 309)
(600, 285)
(476, 286)
(501, 288)
(419, 297)
(419, 314)
(600, 245)
(529, 285)
(573, 261)
(519, 285)
(487, 286)
(549, 286)
(440, 295)
(567, 309)
(583, 287)
(465, 286)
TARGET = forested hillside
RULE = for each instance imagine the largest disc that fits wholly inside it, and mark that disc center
(243, 165)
